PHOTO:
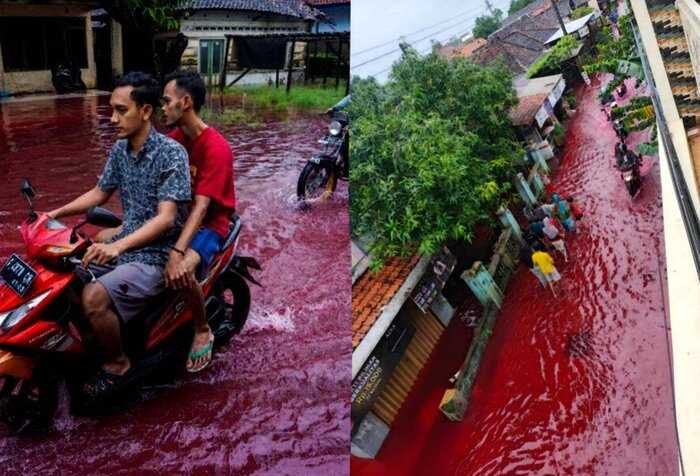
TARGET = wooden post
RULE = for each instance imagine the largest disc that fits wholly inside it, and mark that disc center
(306, 62)
(291, 64)
(277, 78)
(325, 73)
(337, 63)
(347, 83)
(222, 77)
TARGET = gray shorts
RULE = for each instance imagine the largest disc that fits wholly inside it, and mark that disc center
(131, 286)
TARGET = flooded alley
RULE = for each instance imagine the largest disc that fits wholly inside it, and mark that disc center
(575, 385)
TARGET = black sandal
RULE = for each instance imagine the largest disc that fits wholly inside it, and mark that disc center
(105, 383)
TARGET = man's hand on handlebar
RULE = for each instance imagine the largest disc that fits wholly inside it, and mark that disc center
(101, 253)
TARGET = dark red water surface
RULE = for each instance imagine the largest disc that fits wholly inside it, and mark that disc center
(575, 385)
(276, 400)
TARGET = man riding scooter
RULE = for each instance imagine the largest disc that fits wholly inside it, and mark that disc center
(211, 168)
(150, 171)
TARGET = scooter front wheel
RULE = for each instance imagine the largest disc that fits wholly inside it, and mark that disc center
(317, 181)
(27, 406)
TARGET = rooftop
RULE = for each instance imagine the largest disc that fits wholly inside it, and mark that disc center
(372, 291)
(572, 27)
(464, 50)
(292, 8)
(321, 3)
(531, 94)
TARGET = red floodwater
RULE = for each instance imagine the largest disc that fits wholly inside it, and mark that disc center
(575, 385)
(275, 401)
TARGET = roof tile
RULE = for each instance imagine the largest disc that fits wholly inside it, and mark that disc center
(373, 291)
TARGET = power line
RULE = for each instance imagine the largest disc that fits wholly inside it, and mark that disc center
(420, 53)
(357, 53)
(383, 55)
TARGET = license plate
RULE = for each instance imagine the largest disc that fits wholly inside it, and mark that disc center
(18, 275)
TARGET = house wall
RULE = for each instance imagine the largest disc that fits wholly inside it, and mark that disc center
(217, 24)
(689, 11)
(38, 81)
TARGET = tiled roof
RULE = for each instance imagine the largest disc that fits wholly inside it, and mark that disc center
(540, 9)
(372, 291)
(462, 51)
(524, 113)
(521, 42)
(292, 8)
(320, 3)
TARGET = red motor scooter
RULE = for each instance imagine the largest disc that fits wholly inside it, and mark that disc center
(44, 339)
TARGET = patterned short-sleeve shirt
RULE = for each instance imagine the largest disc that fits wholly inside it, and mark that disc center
(158, 172)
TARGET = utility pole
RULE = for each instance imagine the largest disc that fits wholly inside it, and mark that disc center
(489, 7)
(561, 22)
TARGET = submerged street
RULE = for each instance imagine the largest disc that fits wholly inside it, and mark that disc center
(575, 385)
(274, 401)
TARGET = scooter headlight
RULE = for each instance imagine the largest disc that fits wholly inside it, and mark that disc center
(335, 128)
(10, 318)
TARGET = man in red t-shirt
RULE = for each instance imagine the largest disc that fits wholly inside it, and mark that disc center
(211, 169)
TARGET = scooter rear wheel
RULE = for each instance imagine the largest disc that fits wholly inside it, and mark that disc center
(234, 295)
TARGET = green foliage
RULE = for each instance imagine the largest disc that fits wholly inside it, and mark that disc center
(230, 116)
(552, 59)
(159, 15)
(306, 98)
(571, 101)
(432, 152)
(484, 25)
(612, 51)
(516, 5)
(581, 12)
(559, 134)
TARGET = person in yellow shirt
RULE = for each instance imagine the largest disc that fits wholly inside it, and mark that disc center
(545, 263)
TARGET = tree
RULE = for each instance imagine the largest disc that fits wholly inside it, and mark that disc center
(433, 152)
(516, 5)
(158, 15)
(581, 12)
(484, 25)
(551, 61)
(141, 20)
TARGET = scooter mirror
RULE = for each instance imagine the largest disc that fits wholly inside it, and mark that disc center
(102, 217)
(27, 189)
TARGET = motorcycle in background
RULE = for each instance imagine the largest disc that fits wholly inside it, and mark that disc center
(321, 173)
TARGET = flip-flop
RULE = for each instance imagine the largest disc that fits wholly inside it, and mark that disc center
(205, 351)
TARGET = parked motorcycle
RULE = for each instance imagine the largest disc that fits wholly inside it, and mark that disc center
(320, 175)
(44, 339)
(66, 78)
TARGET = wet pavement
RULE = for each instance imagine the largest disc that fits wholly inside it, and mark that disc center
(275, 401)
(575, 385)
